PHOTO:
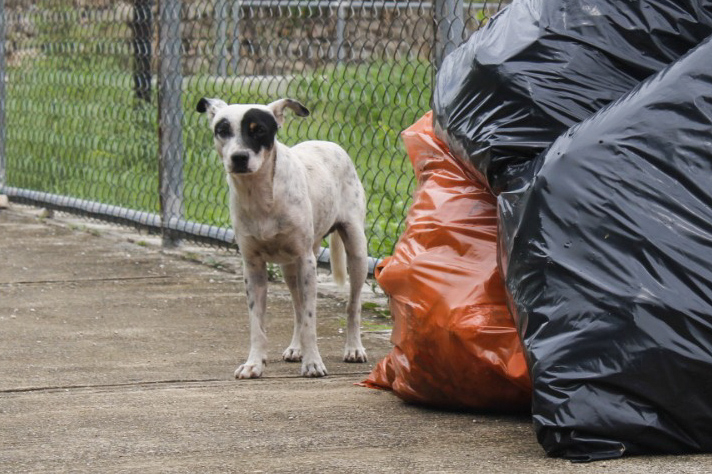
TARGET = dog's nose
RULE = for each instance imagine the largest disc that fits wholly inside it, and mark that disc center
(239, 162)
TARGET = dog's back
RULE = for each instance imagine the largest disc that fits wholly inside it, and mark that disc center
(325, 157)
(329, 165)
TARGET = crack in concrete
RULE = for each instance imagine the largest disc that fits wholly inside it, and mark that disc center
(173, 383)
(86, 280)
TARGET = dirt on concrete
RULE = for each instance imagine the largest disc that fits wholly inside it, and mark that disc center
(116, 356)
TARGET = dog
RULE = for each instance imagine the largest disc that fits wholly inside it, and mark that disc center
(283, 202)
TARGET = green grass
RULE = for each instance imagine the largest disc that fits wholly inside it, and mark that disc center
(75, 128)
(77, 133)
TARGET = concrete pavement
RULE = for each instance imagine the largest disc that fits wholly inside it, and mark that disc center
(118, 357)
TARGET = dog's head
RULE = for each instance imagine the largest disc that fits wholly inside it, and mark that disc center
(244, 134)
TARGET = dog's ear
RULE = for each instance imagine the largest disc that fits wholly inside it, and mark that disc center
(277, 107)
(211, 106)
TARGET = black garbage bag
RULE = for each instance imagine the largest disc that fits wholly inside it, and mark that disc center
(607, 256)
(539, 67)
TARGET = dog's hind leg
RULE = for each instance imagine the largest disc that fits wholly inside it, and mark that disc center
(337, 257)
(256, 284)
(293, 353)
(357, 257)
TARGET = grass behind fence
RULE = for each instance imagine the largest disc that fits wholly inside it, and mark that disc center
(75, 128)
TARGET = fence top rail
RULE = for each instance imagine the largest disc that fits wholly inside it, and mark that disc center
(357, 4)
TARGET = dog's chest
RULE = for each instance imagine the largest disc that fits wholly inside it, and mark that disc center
(263, 229)
(274, 239)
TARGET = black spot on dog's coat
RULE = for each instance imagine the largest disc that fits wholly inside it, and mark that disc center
(258, 129)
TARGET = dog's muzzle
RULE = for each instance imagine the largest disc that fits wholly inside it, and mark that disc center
(238, 163)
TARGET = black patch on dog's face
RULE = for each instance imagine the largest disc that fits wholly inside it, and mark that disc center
(223, 129)
(258, 129)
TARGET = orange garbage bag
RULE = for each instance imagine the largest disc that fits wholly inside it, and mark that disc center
(456, 345)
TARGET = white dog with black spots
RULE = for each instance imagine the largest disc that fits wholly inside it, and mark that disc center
(283, 202)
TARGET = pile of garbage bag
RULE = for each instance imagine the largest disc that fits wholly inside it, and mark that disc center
(455, 343)
(590, 125)
(540, 67)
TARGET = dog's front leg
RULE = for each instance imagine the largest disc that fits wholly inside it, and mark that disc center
(312, 365)
(290, 271)
(256, 286)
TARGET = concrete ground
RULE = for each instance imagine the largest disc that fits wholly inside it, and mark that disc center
(118, 357)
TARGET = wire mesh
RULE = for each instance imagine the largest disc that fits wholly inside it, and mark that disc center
(100, 95)
(73, 126)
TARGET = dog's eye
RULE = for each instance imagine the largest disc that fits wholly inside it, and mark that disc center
(223, 130)
(256, 129)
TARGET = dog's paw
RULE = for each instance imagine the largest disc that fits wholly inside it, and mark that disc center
(314, 369)
(355, 354)
(249, 371)
(292, 354)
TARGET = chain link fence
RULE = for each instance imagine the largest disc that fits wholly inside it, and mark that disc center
(97, 98)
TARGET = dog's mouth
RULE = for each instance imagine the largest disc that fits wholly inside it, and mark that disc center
(238, 168)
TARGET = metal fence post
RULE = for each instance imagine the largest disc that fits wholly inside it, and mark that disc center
(339, 45)
(235, 57)
(220, 18)
(3, 73)
(170, 118)
(448, 16)
(141, 27)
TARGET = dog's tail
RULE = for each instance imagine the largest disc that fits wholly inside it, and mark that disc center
(337, 257)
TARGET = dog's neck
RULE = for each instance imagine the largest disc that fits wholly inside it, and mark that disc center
(255, 192)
